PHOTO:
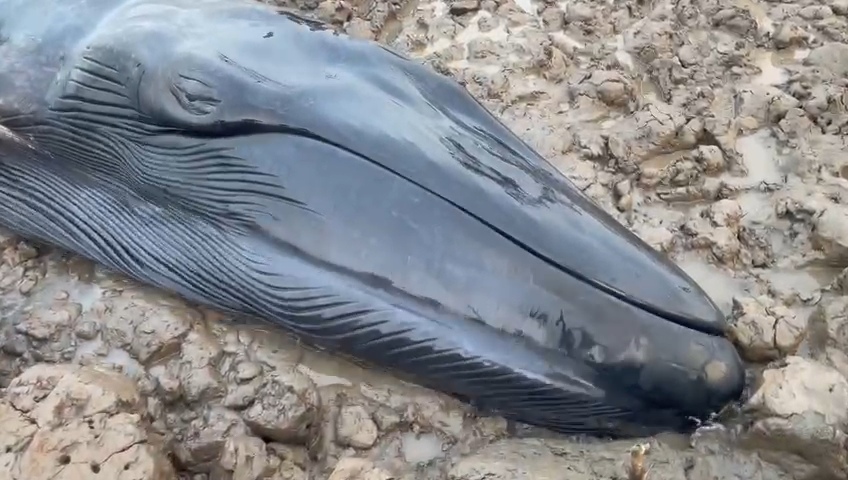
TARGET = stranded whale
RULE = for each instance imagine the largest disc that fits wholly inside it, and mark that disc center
(258, 163)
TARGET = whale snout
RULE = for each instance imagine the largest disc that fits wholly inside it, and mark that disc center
(700, 375)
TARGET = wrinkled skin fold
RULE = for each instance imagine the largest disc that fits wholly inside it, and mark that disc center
(258, 163)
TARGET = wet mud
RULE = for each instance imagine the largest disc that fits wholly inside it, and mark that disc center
(714, 130)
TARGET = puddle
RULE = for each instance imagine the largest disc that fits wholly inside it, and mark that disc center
(420, 448)
(563, 39)
(624, 58)
(719, 285)
(757, 208)
(91, 347)
(770, 74)
(759, 153)
(800, 283)
(527, 5)
(325, 370)
(122, 359)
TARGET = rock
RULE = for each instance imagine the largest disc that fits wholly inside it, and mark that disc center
(533, 459)
(286, 407)
(610, 87)
(764, 103)
(358, 469)
(461, 7)
(16, 428)
(334, 12)
(294, 460)
(245, 458)
(654, 131)
(166, 381)
(49, 322)
(246, 371)
(802, 386)
(725, 213)
(839, 7)
(149, 328)
(711, 158)
(802, 411)
(359, 28)
(16, 251)
(87, 329)
(788, 35)
(828, 333)
(840, 283)
(815, 12)
(355, 428)
(578, 12)
(203, 441)
(735, 19)
(69, 422)
(830, 57)
(197, 370)
(553, 18)
(721, 241)
(764, 330)
(718, 462)
(830, 233)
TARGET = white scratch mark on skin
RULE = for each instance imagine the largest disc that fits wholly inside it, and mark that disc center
(6, 134)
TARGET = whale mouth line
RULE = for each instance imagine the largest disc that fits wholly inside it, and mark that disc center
(243, 128)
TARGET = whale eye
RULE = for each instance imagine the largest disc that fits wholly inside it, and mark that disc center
(194, 95)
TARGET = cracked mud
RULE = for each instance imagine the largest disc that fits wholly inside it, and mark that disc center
(714, 130)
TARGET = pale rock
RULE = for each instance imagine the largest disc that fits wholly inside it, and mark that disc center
(828, 333)
(534, 459)
(830, 233)
(765, 104)
(72, 422)
(800, 387)
(350, 468)
(765, 330)
(711, 158)
(355, 428)
(286, 406)
(198, 373)
(611, 87)
(802, 411)
(831, 57)
(725, 213)
(204, 439)
(246, 458)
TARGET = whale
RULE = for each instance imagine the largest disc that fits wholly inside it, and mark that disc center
(255, 161)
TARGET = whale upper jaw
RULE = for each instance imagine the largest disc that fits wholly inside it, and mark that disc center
(426, 129)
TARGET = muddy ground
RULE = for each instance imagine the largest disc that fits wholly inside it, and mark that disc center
(716, 130)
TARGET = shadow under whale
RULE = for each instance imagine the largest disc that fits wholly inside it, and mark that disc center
(258, 163)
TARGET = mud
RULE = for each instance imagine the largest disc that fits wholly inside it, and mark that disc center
(715, 130)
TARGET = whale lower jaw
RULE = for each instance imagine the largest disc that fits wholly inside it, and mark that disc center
(492, 369)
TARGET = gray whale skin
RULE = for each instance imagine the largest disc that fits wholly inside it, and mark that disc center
(255, 162)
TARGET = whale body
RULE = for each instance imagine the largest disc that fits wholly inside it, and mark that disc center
(261, 164)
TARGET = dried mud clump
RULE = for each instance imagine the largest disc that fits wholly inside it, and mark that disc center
(69, 422)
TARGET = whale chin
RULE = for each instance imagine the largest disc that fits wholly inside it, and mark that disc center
(354, 198)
